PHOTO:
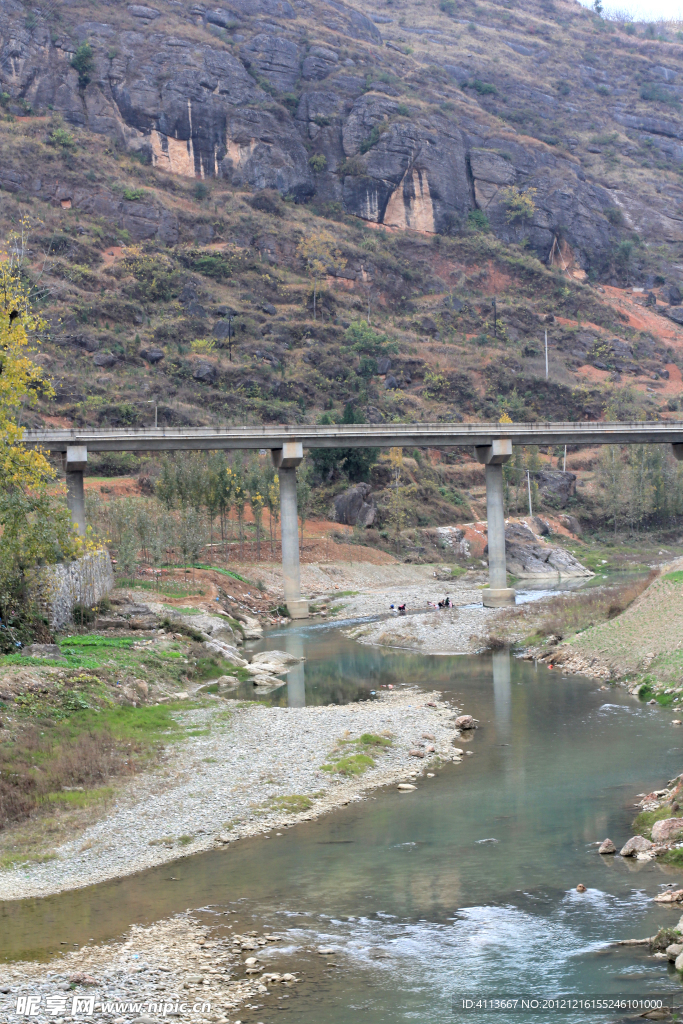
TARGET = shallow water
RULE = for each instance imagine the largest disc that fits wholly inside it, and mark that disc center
(467, 884)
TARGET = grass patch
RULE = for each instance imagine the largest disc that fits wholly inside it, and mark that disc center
(675, 577)
(293, 803)
(13, 860)
(164, 841)
(185, 840)
(80, 798)
(673, 857)
(643, 822)
(169, 588)
(95, 640)
(353, 757)
(647, 692)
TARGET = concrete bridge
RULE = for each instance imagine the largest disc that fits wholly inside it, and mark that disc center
(492, 443)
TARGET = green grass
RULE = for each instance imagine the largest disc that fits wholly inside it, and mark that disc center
(644, 821)
(185, 840)
(675, 577)
(293, 803)
(13, 860)
(353, 757)
(673, 857)
(95, 640)
(648, 693)
(223, 572)
(76, 798)
(165, 589)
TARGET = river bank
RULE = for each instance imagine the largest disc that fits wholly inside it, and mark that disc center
(243, 771)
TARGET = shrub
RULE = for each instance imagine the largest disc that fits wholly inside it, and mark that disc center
(436, 384)
(374, 137)
(352, 166)
(318, 162)
(518, 205)
(563, 87)
(478, 221)
(61, 137)
(133, 194)
(448, 7)
(614, 216)
(204, 345)
(201, 191)
(654, 93)
(83, 62)
(268, 200)
(402, 110)
(484, 88)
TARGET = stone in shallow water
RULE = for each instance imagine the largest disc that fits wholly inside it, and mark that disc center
(637, 844)
(607, 846)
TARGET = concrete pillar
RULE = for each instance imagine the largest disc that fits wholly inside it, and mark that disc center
(493, 456)
(502, 693)
(286, 459)
(74, 463)
(678, 451)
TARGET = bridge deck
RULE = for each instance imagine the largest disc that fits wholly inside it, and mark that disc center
(383, 435)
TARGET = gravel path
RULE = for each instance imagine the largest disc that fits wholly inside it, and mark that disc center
(219, 787)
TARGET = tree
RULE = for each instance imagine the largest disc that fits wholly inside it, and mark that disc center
(319, 253)
(83, 62)
(34, 529)
(303, 496)
(355, 462)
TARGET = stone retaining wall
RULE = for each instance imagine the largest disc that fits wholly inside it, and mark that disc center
(84, 581)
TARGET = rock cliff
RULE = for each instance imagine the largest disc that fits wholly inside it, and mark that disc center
(539, 119)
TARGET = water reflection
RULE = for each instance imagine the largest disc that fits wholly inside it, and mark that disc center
(502, 697)
(296, 680)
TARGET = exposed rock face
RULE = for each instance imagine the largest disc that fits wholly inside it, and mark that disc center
(528, 557)
(173, 86)
(355, 507)
(558, 485)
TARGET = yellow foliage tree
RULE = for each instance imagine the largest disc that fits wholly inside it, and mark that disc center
(34, 530)
(319, 253)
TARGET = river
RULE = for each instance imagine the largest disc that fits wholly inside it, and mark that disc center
(466, 886)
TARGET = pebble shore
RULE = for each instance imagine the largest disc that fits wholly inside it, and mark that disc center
(197, 973)
(220, 787)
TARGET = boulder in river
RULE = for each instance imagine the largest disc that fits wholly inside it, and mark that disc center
(465, 722)
(636, 845)
(668, 830)
(674, 951)
(607, 846)
(280, 658)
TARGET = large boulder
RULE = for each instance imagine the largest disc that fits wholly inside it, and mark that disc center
(355, 507)
(529, 557)
(557, 485)
(636, 845)
(667, 831)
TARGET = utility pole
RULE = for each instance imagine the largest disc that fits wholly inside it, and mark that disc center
(495, 318)
(564, 461)
(229, 336)
(546, 353)
(528, 484)
(155, 413)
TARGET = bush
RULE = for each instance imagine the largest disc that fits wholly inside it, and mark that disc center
(478, 221)
(318, 162)
(352, 166)
(83, 62)
(133, 194)
(654, 93)
(518, 205)
(61, 137)
(484, 88)
(614, 216)
(268, 200)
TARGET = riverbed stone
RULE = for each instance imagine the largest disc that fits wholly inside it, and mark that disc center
(635, 845)
(465, 722)
(678, 964)
(607, 846)
(674, 950)
(668, 830)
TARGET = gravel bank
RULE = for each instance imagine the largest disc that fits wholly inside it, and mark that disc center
(225, 785)
(199, 974)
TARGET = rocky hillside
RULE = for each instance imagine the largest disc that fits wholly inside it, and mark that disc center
(484, 173)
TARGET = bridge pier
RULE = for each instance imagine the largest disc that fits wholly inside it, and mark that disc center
(493, 456)
(286, 460)
(74, 463)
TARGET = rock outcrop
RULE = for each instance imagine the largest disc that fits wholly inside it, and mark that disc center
(243, 92)
(356, 506)
(529, 557)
